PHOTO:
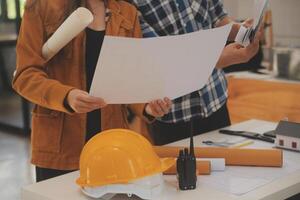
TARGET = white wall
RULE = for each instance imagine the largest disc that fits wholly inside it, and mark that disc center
(286, 18)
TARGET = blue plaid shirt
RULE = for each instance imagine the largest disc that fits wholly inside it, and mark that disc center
(172, 17)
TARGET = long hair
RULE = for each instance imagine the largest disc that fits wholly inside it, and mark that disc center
(71, 5)
(74, 4)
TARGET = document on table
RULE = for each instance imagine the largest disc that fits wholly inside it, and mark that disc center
(137, 70)
(239, 180)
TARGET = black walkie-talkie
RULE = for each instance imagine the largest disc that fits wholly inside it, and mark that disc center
(186, 166)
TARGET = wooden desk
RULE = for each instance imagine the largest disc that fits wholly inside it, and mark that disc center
(287, 185)
(262, 97)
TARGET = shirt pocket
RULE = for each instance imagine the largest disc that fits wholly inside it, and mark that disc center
(200, 10)
(47, 128)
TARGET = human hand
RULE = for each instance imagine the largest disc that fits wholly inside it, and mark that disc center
(236, 27)
(234, 53)
(81, 102)
(158, 108)
(248, 23)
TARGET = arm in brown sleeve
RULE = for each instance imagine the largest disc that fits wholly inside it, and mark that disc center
(31, 80)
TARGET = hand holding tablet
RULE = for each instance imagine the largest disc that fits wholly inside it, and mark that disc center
(246, 35)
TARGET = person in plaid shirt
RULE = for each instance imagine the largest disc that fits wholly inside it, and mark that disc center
(203, 110)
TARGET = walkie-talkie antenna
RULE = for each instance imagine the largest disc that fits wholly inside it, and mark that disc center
(192, 153)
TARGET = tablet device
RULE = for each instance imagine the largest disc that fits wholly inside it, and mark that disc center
(246, 35)
(262, 6)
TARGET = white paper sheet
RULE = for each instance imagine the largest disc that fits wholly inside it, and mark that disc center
(132, 70)
(239, 180)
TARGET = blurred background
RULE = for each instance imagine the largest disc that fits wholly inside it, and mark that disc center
(15, 169)
(265, 88)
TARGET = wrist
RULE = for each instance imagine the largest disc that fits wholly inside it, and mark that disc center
(148, 116)
(223, 61)
(67, 104)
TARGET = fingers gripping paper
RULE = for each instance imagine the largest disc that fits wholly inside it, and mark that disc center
(71, 27)
(132, 70)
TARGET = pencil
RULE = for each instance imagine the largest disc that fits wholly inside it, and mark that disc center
(242, 144)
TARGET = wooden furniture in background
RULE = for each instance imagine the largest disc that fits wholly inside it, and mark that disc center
(268, 29)
(263, 99)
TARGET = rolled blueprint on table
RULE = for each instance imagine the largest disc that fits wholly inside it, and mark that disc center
(232, 156)
(204, 166)
(70, 28)
(137, 70)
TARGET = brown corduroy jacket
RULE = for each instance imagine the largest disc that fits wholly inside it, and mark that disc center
(58, 136)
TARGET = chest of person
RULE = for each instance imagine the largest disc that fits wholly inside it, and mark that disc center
(170, 17)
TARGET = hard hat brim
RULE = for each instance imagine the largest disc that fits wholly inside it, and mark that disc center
(166, 163)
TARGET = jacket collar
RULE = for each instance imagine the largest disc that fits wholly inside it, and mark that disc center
(114, 6)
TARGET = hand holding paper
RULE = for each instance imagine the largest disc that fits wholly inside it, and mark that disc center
(81, 102)
(158, 108)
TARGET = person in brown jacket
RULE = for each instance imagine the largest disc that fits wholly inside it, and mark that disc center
(65, 116)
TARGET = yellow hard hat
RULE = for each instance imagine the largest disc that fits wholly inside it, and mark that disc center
(118, 156)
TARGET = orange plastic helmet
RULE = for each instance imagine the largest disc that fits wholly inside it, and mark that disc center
(118, 156)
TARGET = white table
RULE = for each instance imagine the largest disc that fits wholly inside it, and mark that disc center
(281, 187)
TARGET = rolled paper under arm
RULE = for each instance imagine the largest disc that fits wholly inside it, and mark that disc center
(233, 156)
(69, 29)
(203, 168)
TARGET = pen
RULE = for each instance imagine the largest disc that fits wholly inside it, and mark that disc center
(245, 143)
(247, 134)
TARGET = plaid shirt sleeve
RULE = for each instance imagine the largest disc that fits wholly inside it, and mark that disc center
(147, 30)
(216, 11)
(173, 17)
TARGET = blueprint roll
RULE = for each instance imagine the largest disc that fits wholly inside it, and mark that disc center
(232, 156)
(217, 164)
(69, 29)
